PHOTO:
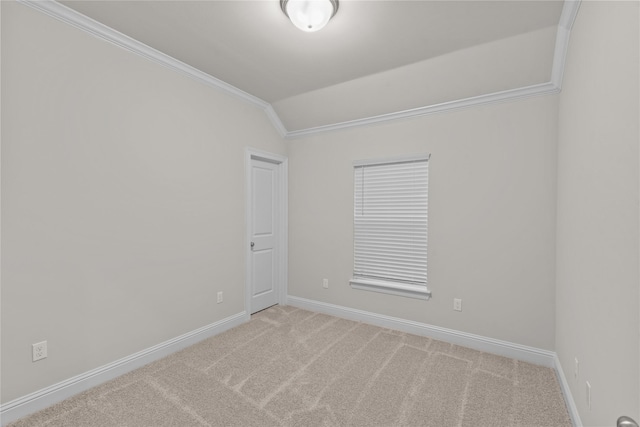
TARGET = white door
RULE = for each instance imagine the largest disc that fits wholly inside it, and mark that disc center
(264, 237)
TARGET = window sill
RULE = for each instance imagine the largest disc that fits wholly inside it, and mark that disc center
(404, 290)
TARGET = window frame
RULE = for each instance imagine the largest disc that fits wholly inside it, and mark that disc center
(411, 290)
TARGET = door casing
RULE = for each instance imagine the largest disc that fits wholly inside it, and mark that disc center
(281, 264)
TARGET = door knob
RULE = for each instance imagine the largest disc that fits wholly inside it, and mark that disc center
(626, 422)
(252, 245)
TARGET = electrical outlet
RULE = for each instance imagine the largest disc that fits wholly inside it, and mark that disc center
(39, 351)
(588, 395)
(457, 304)
(325, 283)
(220, 299)
(576, 368)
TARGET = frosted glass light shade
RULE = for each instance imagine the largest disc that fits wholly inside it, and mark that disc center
(309, 15)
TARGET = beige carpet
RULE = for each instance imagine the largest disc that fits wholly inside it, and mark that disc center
(292, 367)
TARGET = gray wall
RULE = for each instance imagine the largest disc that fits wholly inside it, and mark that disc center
(122, 208)
(122, 201)
(492, 207)
(597, 249)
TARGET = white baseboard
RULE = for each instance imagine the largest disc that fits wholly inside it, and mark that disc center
(568, 397)
(48, 396)
(45, 397)
(477, 342)
(503, 348)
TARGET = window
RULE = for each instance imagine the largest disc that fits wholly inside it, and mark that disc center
(390, 226)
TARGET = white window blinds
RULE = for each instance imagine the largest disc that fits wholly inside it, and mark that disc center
(390, 224)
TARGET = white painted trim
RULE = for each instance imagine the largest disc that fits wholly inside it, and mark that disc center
(399, 289)
(283, 215)
(101, 31)
(84, 23)
(569, 13)
(568, 17)
(511, 94)
(489, 345)
(275, 121)
(265, 155)
(559, 56)
(566, 391)
(48, 396)
(284, 232)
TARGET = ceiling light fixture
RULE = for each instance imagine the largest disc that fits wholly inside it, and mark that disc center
(309, 15)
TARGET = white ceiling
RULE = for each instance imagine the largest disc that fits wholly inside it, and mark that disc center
(252, 45)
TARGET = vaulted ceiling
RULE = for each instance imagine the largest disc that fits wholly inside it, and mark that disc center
(374, 58)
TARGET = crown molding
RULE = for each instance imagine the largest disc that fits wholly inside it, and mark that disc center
(275, 121)
(569, 13)
(97, 29)
(84, 23)
(567, 18)
(490, 98)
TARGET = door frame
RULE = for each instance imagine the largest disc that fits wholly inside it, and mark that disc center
(283, 255)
